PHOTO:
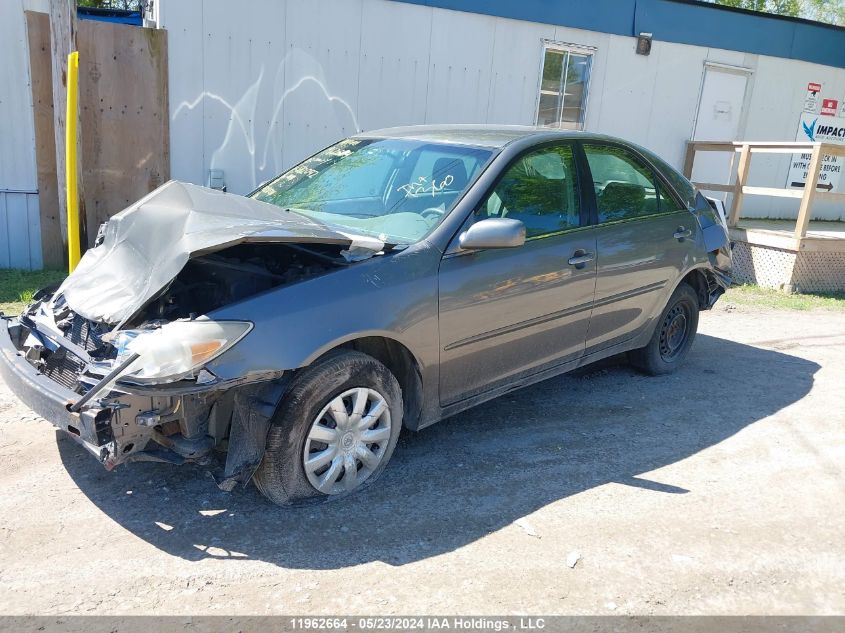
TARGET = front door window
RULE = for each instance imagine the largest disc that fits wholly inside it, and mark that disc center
(540, 189)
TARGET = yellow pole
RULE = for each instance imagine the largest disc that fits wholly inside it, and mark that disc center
(73, 250)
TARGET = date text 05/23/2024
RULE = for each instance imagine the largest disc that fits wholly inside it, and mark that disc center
(406, 623)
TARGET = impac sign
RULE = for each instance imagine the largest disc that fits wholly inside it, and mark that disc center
(818, 129)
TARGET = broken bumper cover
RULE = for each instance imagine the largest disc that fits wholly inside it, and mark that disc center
(165, 423)
(51, 400)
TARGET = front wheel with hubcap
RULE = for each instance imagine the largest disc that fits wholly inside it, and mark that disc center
(673, 335)
(347, 441)
(333, 432)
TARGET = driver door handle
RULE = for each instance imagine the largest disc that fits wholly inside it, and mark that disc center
(581, 258)
(681, 234)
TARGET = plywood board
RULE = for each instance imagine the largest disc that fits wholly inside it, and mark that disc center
(124, 116)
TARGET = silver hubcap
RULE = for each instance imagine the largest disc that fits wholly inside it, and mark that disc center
(347, 441)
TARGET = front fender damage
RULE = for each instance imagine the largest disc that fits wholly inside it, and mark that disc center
(252, 412)
(194, 424)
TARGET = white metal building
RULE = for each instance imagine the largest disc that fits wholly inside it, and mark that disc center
(255, 89)
(20, 227)
(256, 86)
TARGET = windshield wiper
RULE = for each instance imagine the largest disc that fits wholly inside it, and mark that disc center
(372, 240)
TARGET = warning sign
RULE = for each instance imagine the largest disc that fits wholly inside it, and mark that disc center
(811, 101)
(829, 107)
(814, 128)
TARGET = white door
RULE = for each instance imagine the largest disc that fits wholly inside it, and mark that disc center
(719, 111)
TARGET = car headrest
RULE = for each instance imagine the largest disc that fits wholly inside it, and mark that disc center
(619, 198)
(453, 167)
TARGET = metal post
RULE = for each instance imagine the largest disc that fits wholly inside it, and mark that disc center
(71, 178)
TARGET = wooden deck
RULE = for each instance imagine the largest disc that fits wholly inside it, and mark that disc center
(821, 236)
(795, 255)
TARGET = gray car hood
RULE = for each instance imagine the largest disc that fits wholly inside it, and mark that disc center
(148, 243)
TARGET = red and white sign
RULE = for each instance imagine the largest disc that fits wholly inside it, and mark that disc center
(829, 107)
(811, 101)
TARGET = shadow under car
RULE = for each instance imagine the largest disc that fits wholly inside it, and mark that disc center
(469, 475)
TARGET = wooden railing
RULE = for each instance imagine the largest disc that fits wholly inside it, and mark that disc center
(739, 189)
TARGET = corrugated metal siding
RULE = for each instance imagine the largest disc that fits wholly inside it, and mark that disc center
(279, 80)
(17, 131)
(20, 225)
(20, 231)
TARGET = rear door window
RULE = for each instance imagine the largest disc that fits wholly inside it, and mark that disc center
(683, 187)
(626, 188)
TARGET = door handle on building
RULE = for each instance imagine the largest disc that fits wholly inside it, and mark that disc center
(580, 258)
(682, 234)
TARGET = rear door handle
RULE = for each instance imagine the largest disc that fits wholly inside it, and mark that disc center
(581, 258)
(681, 234)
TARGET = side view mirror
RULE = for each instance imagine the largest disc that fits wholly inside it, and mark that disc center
(493, 233)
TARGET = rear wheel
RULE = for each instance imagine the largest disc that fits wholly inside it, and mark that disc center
(673, 336)
(334, 431)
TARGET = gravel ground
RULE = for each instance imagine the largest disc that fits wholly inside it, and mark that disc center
(718, 490)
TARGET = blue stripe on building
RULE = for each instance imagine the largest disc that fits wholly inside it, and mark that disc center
(679, 21)
(133, 18)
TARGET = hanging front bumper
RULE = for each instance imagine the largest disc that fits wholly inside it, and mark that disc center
(91, 427)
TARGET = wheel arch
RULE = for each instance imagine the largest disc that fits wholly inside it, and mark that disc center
(400, 361)
(702, 281)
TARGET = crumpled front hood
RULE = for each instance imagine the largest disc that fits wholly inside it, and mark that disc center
(147, 244)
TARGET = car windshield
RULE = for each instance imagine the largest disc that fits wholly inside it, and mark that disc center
(393, 189)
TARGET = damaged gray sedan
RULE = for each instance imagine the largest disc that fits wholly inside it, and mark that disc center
(391, 280)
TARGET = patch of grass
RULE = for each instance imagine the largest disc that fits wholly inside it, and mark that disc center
(777, 300)
(18, 286)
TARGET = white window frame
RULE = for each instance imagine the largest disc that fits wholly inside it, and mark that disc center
(564, 47)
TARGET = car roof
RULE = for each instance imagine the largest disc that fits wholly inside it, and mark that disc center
(493, 136)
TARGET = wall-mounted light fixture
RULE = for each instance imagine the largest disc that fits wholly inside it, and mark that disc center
(644, 44)
(216, 179)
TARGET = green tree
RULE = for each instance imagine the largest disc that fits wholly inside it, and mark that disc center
(829, 11)
(751, 5)
(132, 5)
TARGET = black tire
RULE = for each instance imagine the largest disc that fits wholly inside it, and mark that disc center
(281, 476)
(669, 346)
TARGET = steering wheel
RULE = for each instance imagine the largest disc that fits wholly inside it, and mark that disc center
(431, 211)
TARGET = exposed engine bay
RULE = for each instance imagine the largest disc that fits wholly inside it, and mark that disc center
(148, 245)
(205, 283)
(117, 355)
(212, 281)
(186, 420)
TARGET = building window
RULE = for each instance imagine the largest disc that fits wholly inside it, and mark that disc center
(564, 87)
